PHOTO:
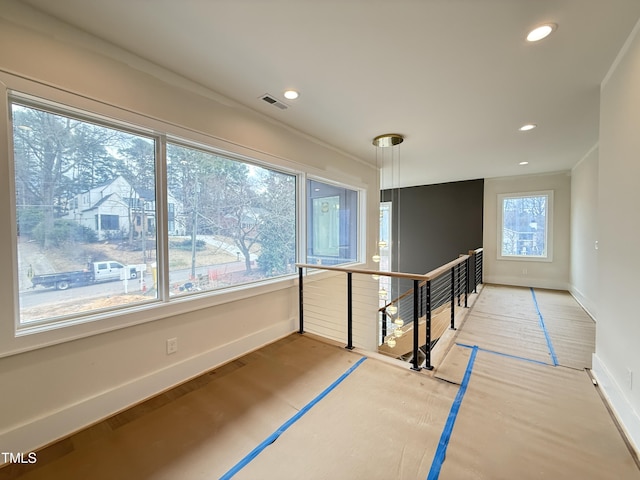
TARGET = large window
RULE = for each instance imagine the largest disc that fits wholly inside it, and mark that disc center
(233, 222)
(525, 221)
(75, 181)
(332, 224)
(88, 217)
(119, 221)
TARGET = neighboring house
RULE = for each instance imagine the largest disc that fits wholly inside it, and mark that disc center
(118, 210)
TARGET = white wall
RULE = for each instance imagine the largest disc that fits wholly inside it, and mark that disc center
(52, 391)
(325, 312)
(554, 274)
(617, 358)
(584, 232)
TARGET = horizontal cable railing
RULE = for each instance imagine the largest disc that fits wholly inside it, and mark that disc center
(476, 272)
(430, 294)
(444, 286)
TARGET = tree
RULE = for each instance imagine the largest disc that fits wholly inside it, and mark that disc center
(278, 230)
(238, 216)
(55, 158)
(42, 146)
(220, 196)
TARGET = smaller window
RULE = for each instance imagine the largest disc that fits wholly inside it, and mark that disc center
(332, 224)
(525, 225)
(109, 222)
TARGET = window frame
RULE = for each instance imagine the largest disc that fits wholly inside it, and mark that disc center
(548, 227)
(360, 228)
(207, 149)
(97, 118)
(16, 337)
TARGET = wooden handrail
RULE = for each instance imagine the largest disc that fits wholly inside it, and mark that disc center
(477, 250)
(412, 276)
(433, 274)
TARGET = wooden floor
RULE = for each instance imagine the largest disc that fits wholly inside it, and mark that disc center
(511, 398)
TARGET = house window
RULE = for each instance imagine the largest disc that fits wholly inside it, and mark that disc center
(525, 226)
(109, 222)
(61, 159)
(332, 224)
(233, 222)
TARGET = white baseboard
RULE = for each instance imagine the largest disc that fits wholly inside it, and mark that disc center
(584, 302)
(523, 281)
(623, 410)
(45, 430)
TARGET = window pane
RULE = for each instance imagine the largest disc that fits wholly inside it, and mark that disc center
(79, 189)
(524, 226)
(332, 224)
(230, 222)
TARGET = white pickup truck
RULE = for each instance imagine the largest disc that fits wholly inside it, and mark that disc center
(95, 272)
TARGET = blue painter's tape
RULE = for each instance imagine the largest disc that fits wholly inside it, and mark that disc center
(274, 436)
(515, 357)
(554, 358)
(441, 452)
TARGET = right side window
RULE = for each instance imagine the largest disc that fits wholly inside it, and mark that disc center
(332, 224)
(525, 220)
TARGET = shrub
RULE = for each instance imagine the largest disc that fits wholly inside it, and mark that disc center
(28, 219)
(63, 232)
(186, 244)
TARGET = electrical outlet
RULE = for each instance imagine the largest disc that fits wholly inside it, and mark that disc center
(629, 378)
(172, 345)
(524, 271)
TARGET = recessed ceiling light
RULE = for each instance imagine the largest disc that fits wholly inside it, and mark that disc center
(527, 127)
(291, 94)
(541, 32)
(523, 163)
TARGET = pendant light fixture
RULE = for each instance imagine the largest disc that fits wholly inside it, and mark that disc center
(388, 140)
(385, 146)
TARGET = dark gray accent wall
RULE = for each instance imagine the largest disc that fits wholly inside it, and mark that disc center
(437, 223)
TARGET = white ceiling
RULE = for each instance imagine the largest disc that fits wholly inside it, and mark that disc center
(455, 77)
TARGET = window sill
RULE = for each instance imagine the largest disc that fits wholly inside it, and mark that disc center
(38, 336)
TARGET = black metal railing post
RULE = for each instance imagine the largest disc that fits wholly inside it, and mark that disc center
(384, 324)
(427, 346)
(300, 302)
(416, 333)
(475, 273)
(453, 298)
(349, 311)
(466, 282)
(458, 289)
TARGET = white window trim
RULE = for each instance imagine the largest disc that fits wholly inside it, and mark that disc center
(361, 219)
(17, 338)
(549, 227)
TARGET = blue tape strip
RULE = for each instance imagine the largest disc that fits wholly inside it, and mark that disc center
(544, 329)
(274, 436)
(515, 357)
(441, 452)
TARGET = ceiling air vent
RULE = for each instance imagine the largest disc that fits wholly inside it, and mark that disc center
(274, 101)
